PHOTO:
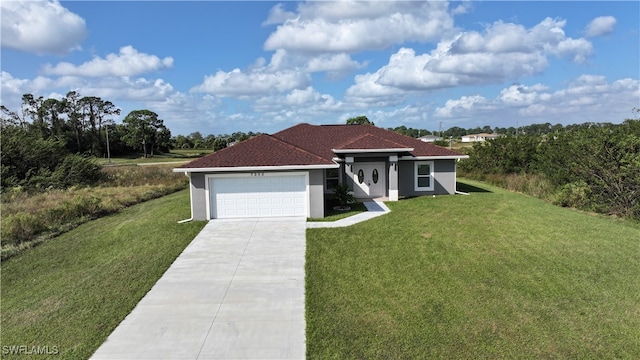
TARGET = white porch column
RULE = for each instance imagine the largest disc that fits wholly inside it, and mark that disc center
(348, 171)
(393, 178)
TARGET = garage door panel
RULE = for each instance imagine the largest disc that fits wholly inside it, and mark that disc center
(258, 196)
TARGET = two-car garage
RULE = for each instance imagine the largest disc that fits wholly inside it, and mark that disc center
(257, 195)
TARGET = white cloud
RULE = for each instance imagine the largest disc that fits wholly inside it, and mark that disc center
(236, 83)
(279, 76)
(587, 98)
(336, 66)
(600, 26)
(129, 62)
(110, 88)
(367, 92)
(353, 26)
(182, 113)
(41, 27)
(504, 51)
(278, 15)
(460, 106)
(300, 101)
(11, 85)
(521, 95)
(129, 89)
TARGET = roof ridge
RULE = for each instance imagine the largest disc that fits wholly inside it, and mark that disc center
(297, 147)
(373, 135)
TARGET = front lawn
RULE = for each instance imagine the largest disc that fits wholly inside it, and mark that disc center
(491, 275)
(69, 293)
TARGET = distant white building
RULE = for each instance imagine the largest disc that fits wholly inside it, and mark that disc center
(430, 138)
(479, 137)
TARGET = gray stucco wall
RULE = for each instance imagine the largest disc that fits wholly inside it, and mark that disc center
(444, 178)
(316, 193)
(198, 197)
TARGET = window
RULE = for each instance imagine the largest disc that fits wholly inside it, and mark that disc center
(360, 176)
(424, 176)
(331, 178)
(374, 176)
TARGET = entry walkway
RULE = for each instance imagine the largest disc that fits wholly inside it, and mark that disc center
(375, 208)
(236, 292)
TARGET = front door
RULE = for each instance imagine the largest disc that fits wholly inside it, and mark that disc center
(369, 180)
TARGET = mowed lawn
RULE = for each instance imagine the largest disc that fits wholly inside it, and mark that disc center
(69, 293)
(491, 275)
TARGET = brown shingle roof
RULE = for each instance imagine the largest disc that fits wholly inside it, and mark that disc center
(262, 150)
(370, 142)
(306, 144)
(320, 139)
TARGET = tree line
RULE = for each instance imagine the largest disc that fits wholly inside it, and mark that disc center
(196, 140)
(457, 132)
(590, 166)
(51, 142)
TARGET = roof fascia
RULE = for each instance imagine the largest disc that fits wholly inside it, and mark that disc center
(359, 151)
(257, 168)
(445, 157)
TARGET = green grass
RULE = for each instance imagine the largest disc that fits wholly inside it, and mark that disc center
(29, 218)
(72, 291)
(334, 215)
(174, 156)
(492, 275)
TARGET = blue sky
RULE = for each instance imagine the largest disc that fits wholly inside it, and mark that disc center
(219, 67)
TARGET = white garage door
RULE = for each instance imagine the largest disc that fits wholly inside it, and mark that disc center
(259, 196)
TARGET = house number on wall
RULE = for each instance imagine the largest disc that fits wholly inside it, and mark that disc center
(257, 174)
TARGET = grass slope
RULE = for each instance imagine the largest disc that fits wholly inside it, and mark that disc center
(72, 291)
(491, 275)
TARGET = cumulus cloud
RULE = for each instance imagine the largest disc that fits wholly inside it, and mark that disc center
(600, 26)
(299, 105)
(368, 92)
(41, 27)
(504, 51)
(278, 15)
(301, 100)
(260, 80)
(236, 83)
(112, 88)
(183, 113)
(522, 95)
(587, 98)
(353, 26)
(129, 89)
(129, 62)
(11, 85)
(336, 66)
(457, 107)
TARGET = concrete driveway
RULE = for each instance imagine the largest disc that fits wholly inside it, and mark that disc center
(236, 292)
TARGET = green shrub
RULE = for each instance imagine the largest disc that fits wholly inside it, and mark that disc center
(77, 170)
(342, 194)
(575, 194)
(21, 227)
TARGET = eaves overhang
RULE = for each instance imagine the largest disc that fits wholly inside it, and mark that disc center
(360, 151)
(442, 157)
(256, 168)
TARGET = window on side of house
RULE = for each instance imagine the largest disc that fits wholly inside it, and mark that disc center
(331, 179)
(424, 176)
